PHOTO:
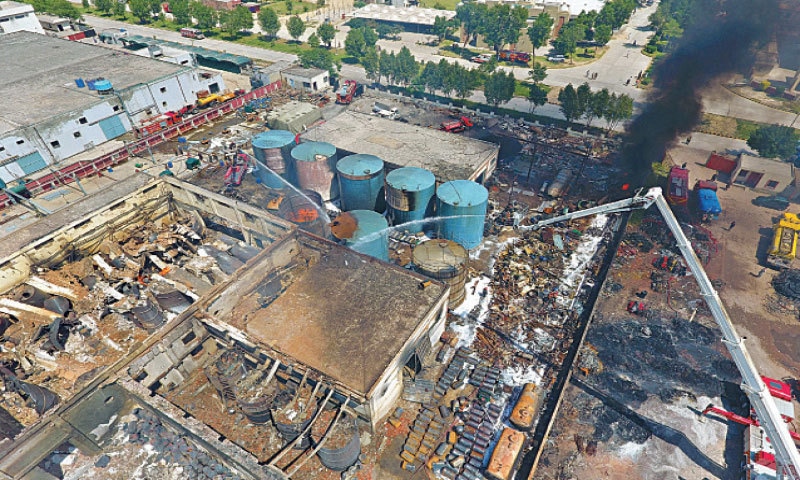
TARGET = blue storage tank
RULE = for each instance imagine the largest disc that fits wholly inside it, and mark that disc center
(103, 86)
(364, 231)
(361, 182)
(409, 194)
(468, 201)
(274, 150)
(708, 203)
(80, 83)
(313, 164)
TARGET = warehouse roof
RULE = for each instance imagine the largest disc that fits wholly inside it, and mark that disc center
(345, 315)
(448, 156)
(200, 52)
(410, 15)
(37, 78)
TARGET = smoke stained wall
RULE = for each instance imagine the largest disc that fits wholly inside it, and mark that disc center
(720, 40)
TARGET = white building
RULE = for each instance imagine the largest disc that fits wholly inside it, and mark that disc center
(48, 113)
(310, 79)
(16, 16)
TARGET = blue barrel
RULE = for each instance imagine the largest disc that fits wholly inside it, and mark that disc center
(314, 168)
(102, 85)
(274, 150)
(467, 201)
(409, 194)
(80, 83)
(364, 231)
(361, 182)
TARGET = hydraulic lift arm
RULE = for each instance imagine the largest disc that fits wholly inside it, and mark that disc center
(769, 417)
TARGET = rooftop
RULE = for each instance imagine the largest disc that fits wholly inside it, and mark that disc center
(37, 80)
(413, 15)
(448, 156)
(363, 311)
(303, 72)
(9, 5)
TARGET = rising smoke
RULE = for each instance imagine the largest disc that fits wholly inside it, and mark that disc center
(720, 40)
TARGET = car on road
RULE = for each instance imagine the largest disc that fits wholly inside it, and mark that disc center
(556, 58)
(775, 202)
(482, 58)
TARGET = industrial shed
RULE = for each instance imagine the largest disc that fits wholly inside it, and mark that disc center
(448, 156)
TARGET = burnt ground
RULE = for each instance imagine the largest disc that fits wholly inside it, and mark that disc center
(632, 409)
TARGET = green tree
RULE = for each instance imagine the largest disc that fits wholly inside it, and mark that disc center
(244, 17)
(774, 141)
(471, 16)
(354, 43)
(406, 66)
(205, 16)
(442, 28)
(537, 95)
(289, 6)
(568, 38)
(499, 87)
(85, 3)
(370, 35)
(180, 12)
(269, 22)
(568, 100)
(234, 21)
(466, 82)
(602, 34)
(59, 8)
(371, 63)
(140, 9)
(296, 27)
(387, 66)
(670, 29)
(538, 73)
(584, 93)
(119, 9)
(326, 33)
(155, 7)
(619, 108)
(429, 77)
(598, 105)
(539, 32)
(502, 25)
(313, 40)
(105, 6)
(448, 73)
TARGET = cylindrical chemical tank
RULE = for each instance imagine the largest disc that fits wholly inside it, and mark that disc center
(446, 261)
(465, 202)
(273, 148)
(305, 209)
(361, 182)
(364, 231)
(409, 194)
(314, 164)
(342, 446)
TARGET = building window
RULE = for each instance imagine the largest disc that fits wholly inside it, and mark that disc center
(5, 19)
(2, 148)
(163, 104)
(83, 121)
(20, 142)
(307, 84)
(21, 16)
(77, 134)
(772, 184)
(55, 144)
(163, 89)
(116, 108)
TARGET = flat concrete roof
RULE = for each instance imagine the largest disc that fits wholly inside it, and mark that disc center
(449, 156)
(411, 15)
(37, 78)
(346, 315)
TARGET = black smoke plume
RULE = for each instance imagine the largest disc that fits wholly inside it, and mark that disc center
(721, 39)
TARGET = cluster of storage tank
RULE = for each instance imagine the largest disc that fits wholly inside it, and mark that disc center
(408, 196)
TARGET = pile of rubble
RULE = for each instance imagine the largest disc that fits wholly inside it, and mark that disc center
(64, 325)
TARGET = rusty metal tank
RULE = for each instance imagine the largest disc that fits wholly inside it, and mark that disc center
(409, 194)
(314, 164)
(342, 445)
(364, 231)
(446, 261)
(361, 182)
(305, 209)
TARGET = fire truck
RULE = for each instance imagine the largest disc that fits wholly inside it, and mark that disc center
(514, 56)
(347, 91)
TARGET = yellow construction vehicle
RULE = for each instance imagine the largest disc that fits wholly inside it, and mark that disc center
(213, 99)
(784, 242)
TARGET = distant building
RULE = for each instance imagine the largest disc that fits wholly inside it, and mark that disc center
(16, 16)
(762, 174)
(50, 112)
(65, 28)
(411, 19)
(309, 79)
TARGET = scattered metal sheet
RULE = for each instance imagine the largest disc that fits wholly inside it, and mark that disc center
(57, 304)
(172, 300)
(227, 263)
(148, 316)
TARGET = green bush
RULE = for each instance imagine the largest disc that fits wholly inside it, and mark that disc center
(650, 49)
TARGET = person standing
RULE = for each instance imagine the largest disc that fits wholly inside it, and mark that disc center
(733, 224)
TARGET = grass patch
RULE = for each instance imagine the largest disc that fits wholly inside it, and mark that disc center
(281, 45)
(745, 128)
(439, 4)
(455, 50)
(297, 7)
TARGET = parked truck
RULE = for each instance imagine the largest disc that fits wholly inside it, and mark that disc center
(514, 56)
(349, 90)
(783, 248)
(456, 126)
(708, 206)
(386, 111)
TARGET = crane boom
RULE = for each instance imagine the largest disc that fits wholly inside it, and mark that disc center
(768, 415)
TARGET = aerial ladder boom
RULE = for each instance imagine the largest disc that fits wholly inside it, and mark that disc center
(761, 400)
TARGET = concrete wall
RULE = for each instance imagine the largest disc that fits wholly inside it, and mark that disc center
(312, 84)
